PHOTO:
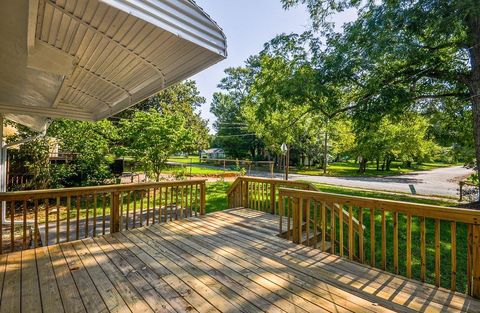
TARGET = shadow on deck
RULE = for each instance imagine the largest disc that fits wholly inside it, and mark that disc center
(229, 261)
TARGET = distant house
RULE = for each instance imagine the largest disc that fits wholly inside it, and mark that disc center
(214, 153)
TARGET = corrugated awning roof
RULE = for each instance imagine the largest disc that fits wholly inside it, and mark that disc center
(89, 59)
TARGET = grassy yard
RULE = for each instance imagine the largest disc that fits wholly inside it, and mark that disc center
(194, 159)
(194, 170)
(351, 169)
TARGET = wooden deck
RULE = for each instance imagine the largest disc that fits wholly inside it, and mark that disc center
(229, 262)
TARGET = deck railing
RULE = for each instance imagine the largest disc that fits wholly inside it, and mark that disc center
(400, 237)
(260, 193)
(44, 217)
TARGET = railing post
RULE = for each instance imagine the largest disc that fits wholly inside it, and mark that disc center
(476, 261)
(272, 198)
(202, 198)
(115, 212)
(244, 193)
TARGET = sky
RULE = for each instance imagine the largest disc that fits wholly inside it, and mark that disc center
(248, 24)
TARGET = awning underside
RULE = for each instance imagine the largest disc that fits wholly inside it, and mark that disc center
(89, 59)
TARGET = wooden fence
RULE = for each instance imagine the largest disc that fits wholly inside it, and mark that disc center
(45, 217)
(400, 237)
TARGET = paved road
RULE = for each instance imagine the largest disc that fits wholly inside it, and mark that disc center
(438, 182)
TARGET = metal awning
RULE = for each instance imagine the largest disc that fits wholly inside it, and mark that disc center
(90, 59)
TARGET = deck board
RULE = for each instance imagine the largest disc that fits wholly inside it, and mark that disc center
(230, 261)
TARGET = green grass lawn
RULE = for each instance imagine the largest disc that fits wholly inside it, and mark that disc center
(194, 159)
(194, 170)
(350, 168)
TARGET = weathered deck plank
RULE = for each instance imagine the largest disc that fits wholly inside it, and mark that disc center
(229, 261)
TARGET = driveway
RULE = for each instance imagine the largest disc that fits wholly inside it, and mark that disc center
(437, 182)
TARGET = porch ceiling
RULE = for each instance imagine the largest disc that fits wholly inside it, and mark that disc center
(90, 59)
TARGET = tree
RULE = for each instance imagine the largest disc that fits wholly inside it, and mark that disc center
(152, 137)
(403, 54)
(31, 158)
(94, 146)
(232, 131)
(183, 99)
(403, 139)
(292, 89)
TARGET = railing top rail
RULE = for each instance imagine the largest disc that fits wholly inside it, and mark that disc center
(468, 216)
(276, 181)
(47, 193)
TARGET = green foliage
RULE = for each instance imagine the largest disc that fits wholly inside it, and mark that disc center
(152, 137)
(181, 99)
(402, 55)
(233, 134)
(31, 158)
(94, 149)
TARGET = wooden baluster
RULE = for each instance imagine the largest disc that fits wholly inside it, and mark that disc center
(12, 226)
(104, 214)
(476, 262)
(185, 209)
(57, 233)
(281, 213)
(203, 199)
(453, 251)
(24, 211)
(437, 252)
(134, 213)
(171, 204)
(154, 205)
(384, 241)
(142, 196)
(324, 226)
(77, 226)
(115, 212)
(395, 242)
(257, 195)
(340, 230)
(315, 223)
(191, 201)
(35, 225)
(332, 229)
(307, 221)
(166, 211)
(423, 264)
(147, 216)
(299, 220)
(159, 210)
(181, 202)
(409, 246)
(87, 208)
(351, 233)
(69, 206)
(46, 221)
(289, 218)
(273, 201)
(372, 237)
(361, 253)
(469, 258)
(94, 214)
